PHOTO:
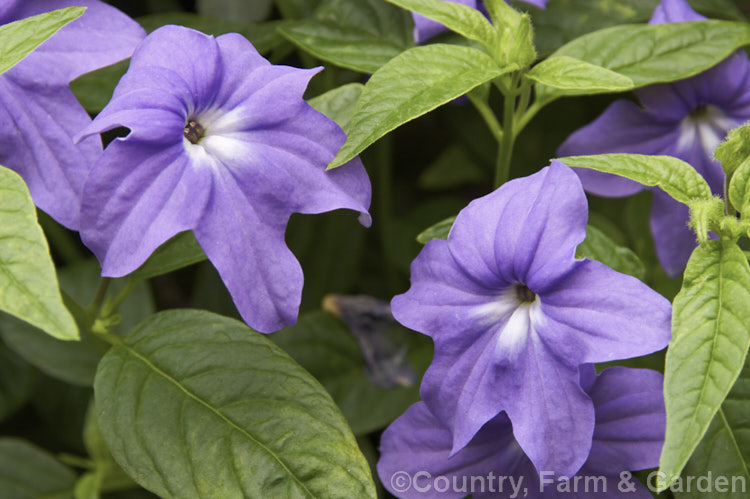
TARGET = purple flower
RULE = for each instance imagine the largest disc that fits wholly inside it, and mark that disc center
(221, 143)
(628, 436)
(685, 119)
(39, 114)
(425, 28)
(513, 315)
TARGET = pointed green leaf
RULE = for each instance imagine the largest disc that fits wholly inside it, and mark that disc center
(464, 20)
(75, 361)
(598, 246)
(361, 35)
(28, 472)
(673, 176)
(28, 283)
(338, 104)
(658, 53)
(180, 251)
(16, 382)
(438, 231)
(710, 341)
(412, 84)
(194, 404)
(18, 39)
(725, 448)
(734, 150)
(578, 77)
(739, 188)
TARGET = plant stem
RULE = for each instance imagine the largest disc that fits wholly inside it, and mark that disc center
(502, 168)
(101, 293)
(488, 116)
(384, 164)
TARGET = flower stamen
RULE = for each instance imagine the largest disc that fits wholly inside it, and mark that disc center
(524, 294)
(193, 131)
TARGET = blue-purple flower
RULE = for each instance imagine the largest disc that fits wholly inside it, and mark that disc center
(416, 460)
(513, 316)
(39, 115)
(222, 143)
(425, 28)
(685, 119)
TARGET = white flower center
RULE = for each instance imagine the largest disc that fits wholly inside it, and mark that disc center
(511, 319)
(707, 125)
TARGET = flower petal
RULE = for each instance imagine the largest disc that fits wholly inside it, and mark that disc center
(136, 198)
(443, 301)
(190, 55)
(673, 239)
(630, 420)
(417, 444)
(674, 11)
(243, 236)
(599, 315)
(101, 36)
(36, 128)
(526, 231)
(541, 395)
(625, 128)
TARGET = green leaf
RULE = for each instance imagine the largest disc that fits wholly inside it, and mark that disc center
(75, 362)
(16, 382)
(598, 246)
(438, 231)
(28, 283)
(464, 20)
(180, 251)
(660, 53)
(710, 341)
(94, 90)
(739, 188)
(338, 104)
(673, 176)
(18, 39)
(725, 448)
(361, 35)
(28, 472)
(734, 150)
(578, 77)
(565, 20)
(454, 167)
(412, 84)
(194, 404)
(326, 348)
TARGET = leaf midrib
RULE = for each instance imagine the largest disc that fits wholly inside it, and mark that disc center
(217, 413)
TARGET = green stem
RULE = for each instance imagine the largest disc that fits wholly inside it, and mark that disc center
(111, 307)
(502, 168)
(384, 165)
(76, 461)
(523, 103)
(101, 293)
(488, 116)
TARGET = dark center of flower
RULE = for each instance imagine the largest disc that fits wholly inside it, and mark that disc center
(699, 112)
(193, 131)
(524, 294)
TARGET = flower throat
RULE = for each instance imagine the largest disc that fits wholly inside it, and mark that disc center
(193, 131)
